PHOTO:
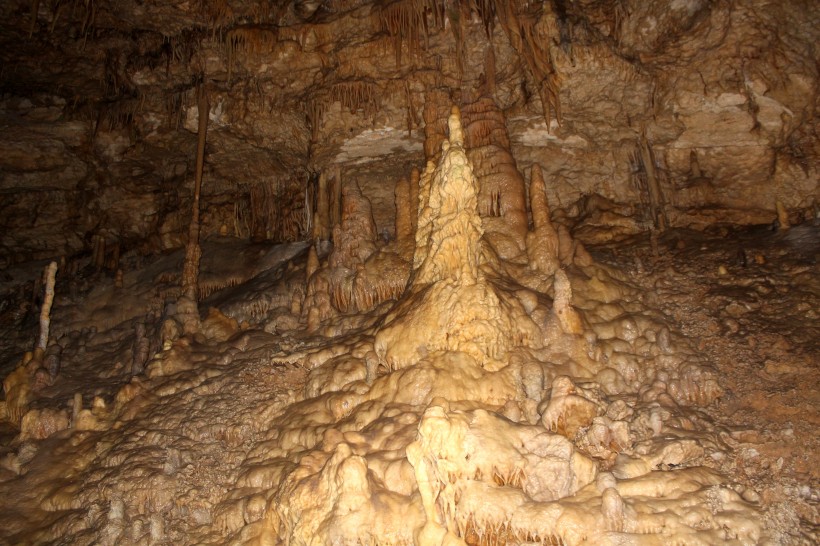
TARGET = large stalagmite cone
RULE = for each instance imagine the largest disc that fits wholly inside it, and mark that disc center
(455, 231)
(449, 304)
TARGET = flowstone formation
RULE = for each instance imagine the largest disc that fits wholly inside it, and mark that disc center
(492, 401)
(480, 412)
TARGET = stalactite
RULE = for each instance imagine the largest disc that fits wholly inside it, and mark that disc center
(520, 27)
(411, 109)
(455, 16)
(35, 7)
(486, 12)
(99, 251)
(783, 222)
(335, 204)
(357, 95)
(405, 21)
(218, 13)
(117, 114)
(321, 225)
(276, 210)
(248, 40)
(176, 102)
(242, 217)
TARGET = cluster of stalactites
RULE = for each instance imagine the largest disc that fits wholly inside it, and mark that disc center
(408, 21)
(248, 40)
(273, 211)
(357, 95)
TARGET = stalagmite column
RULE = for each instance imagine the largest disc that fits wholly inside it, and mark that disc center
(568, 318)
(335, 213)
(542, 243)
(656, 200)
(321, 222)
(187, 308)
(501, 195)
(355, 235)
(449, 305)
(782, 216)
(45, 311)
(17, 385)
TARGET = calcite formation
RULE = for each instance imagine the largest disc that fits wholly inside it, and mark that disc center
(470, 405)
(442, 273)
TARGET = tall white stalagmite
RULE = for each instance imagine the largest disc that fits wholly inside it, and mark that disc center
(45, 312)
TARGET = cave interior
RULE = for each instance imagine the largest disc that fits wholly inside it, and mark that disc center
(434, 272)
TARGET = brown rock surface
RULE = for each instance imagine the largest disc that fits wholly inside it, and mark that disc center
(403, 338)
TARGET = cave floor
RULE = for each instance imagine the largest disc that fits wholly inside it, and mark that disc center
(750, 298)
(185, 443)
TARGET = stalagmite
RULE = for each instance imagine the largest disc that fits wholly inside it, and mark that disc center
(19, 384)
(612, 506)
(455, 308)
(45, 311)
(321, 222)
(542, 242)
(438, 348)
(782, 216)
(187, 309)
(568, 318)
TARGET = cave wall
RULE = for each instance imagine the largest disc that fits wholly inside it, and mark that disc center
(713, 103)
